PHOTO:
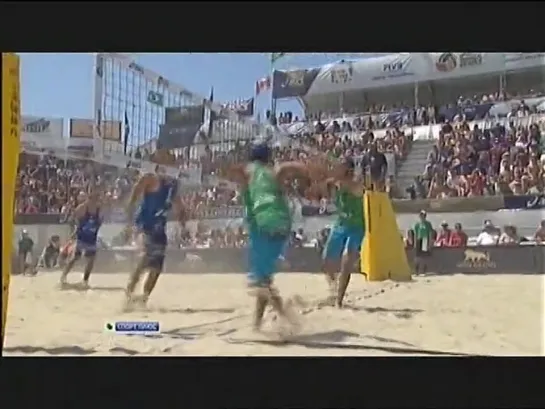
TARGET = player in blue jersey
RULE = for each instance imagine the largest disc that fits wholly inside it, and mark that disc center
(157, 196)
(88, 219)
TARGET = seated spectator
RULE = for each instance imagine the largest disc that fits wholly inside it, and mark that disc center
(509, 237)
(458, 237)
(299, 238)
(539, 235)
(499, 160)
(444, 236)
(409, 240)
(489, 236)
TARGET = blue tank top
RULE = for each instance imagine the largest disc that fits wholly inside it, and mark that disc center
(87, 229)
(153, 211)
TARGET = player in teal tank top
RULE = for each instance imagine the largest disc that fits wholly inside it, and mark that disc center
(347, 233)
(269, 220)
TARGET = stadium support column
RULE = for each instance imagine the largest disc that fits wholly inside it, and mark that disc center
(273, 99)
(98, 75)
(502, 83)
(416, 86)
(273, 107)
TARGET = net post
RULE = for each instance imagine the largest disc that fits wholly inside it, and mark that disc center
(11, 133)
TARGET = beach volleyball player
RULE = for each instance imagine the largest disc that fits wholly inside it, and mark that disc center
(157, 195)
(347, 232)
(269, 223)
(88, 219)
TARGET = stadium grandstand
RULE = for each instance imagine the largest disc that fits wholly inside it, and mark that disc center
(412, 88)
(404, 103)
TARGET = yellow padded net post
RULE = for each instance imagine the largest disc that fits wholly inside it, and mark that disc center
(383, 254)
(11, 127)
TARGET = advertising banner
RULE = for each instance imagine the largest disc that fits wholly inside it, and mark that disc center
(383, 71)
(454, 65)
(524, 202)
(293, 84)
(470, 111)
(42, 132)
(83, 128)
(187, 114)
(472, 260)
(520, 61)
(486, 260)
(177, 135)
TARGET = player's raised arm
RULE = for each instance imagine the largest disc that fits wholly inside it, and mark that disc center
(137, 191)
(235, 173)
(77, 216)
(179, 210)
(290, 170)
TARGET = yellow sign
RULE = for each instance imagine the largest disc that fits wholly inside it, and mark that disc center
(11, 127)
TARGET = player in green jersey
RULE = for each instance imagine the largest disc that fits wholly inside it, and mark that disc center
(348, 231)
(269, 219)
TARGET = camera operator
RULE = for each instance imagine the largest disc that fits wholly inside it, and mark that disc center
(24, 251)
(50, 253)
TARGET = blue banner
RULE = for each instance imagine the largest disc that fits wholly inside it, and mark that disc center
(524, 202)
(472, 112)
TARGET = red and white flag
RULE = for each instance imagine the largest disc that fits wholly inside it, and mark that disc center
(262, 85)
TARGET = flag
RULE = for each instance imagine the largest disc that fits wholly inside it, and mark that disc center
(262, 85)
(212, 115)
(276, 56)
(243, 107)
(126, 133)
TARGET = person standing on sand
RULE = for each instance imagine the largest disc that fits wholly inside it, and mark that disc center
(157, 194)
(423, 241)
(88, 219)
(270, 220)
(347, 233)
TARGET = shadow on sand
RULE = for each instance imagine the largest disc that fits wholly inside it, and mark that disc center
(332, 339)
(398, 312)
(405, 313)
(196, 310)
(81, 288)
(193, 332)
(66, 350)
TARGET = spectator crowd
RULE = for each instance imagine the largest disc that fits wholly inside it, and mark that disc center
(465, 161)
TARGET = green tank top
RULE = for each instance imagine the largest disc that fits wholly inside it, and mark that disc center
(266, 207)
(349, 208)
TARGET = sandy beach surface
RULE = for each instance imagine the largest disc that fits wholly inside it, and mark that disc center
(210, 315)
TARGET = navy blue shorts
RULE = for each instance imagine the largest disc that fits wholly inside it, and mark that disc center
(154, 247)
(85, 249)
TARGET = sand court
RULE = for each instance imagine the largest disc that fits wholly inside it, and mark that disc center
(210, 315)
